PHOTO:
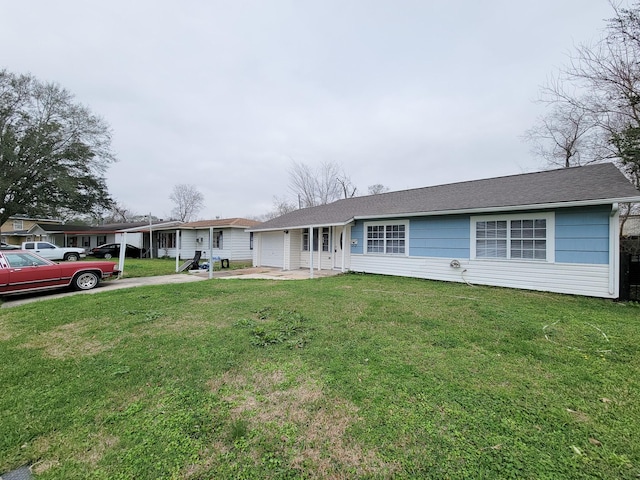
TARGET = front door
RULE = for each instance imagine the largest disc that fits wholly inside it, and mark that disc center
(338, 242)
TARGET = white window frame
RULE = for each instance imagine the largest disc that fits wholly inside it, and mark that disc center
(550, 219)
(386, 223)
(320, 239)
(18, 225)
(217, 239)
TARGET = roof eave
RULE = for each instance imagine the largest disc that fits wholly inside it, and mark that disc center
(507, 208)
(468, 211)
(295, 227)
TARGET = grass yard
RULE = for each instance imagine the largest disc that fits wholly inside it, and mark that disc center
(354, 376)
(148, 267)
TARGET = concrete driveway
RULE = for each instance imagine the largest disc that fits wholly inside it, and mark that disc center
(265, 273)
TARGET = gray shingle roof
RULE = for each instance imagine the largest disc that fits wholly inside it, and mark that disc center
(587, 184)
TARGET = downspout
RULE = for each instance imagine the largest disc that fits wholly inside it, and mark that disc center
(614, 251)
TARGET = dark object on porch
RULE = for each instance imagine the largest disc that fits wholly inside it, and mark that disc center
(191, 264)
(196, 259)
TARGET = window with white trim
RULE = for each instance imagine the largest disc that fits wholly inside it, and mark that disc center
(386, 238)
(217, 240)
(316, 234)
(513, 237)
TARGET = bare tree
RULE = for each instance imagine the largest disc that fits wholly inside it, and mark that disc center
(315, 186)
(346, 186)
(281, 206)
(377, 189)
(189, 201)
(119, 213)
(562, 136)
(594, 103)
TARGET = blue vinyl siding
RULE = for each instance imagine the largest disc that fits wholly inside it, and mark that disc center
(582, 235)
(357, 233)
(443, 237)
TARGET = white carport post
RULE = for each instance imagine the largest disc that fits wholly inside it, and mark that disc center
(178, 250)
(211, 253)
(150, 236)
(310, 252)
(123, 252)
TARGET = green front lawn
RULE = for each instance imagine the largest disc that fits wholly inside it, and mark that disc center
(355, 376)
(148, 267)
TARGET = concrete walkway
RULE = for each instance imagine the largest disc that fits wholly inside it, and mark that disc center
(271, 273)
(265, 273)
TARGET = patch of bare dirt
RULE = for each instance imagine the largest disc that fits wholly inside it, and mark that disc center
(268, 399)
(69, 340)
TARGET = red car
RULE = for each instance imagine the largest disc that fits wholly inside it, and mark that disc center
(23, 271)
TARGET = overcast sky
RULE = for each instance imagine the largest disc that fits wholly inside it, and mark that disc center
(224, 95)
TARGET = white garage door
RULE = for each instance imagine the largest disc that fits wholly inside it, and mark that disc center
(272, 250)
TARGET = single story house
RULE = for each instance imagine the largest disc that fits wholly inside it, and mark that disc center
(70, 235)
(88, 237)
(554, 231)
(225, 238)
(145, 235)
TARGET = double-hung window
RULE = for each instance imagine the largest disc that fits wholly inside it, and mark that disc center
(317, 233)
(386, 238)
(513, 237)
(217, 240)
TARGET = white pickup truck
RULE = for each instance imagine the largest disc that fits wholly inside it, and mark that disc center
(53, 252)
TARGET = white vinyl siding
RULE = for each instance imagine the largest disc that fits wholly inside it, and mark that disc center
(575, 279)
(231, 243)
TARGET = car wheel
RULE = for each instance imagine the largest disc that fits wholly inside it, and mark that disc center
(85, 281)
(71, 257)
(107, 256)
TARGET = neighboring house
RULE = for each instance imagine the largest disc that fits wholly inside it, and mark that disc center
(70, 235)
(16, 230)
(552, 231)
(229, 239)
(88, 237)
(145, 235)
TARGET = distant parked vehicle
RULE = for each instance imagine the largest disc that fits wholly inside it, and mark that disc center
(110, 250)
(23, 271)
(7, 246)
(53, 252)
